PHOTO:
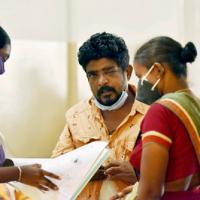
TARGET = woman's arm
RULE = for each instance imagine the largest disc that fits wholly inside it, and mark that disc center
(8, 174)
(153, 170)
(32, 175)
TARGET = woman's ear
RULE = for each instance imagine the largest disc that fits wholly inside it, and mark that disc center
(158, 69)
(129, 71)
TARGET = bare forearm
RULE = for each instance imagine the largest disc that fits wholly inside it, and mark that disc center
(149, 190)
(148, 197)
(152, 179)
(8, 174)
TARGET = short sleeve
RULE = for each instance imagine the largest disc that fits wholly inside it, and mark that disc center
(64, 144)
(157, 126)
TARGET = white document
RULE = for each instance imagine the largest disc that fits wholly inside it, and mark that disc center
(75, 168)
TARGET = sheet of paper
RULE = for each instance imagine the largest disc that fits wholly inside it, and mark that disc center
(75, 168)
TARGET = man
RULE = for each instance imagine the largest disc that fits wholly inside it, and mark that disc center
(112, 114)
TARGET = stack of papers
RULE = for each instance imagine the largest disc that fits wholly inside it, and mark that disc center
(75, 168)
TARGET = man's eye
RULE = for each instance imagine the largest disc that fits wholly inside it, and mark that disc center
(91, 75)
(112, 71)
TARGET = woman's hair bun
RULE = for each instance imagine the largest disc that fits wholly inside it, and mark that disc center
(188, 53)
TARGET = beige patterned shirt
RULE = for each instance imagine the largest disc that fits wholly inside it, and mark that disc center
(85, 123)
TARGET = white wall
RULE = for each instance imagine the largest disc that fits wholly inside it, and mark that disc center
(33, 97)
(132, 19)
(35, 19)
(34, 88)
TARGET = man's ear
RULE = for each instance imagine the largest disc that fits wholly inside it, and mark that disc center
(129, 71)
(158, 69)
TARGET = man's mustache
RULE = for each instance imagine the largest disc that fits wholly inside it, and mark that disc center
(105, 89)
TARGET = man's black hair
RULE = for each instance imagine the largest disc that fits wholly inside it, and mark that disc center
(104, 45)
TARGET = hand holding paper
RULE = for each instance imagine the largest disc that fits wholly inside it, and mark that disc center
(75, 168)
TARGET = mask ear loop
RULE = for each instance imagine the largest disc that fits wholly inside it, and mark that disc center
(156, 83)
(147, 74)
(152, 89)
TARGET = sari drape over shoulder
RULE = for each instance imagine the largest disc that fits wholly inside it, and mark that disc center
(187, 107)
(174, 122)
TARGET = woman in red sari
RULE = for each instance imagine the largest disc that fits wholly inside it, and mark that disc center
(167, 153)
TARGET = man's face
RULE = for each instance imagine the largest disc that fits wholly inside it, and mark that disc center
(107, 80)
(5, 52)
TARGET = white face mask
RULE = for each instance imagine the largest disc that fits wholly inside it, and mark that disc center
(118, 104)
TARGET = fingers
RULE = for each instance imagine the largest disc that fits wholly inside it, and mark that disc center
(49, 184)
(127, 190)
(123, 193)
(42, 188)
(116, 177)
(45, 184)
(47, 173)
(52, 175)
(117, 196)
(112, 171)
(112, 164)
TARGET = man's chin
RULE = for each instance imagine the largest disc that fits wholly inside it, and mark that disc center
(107, 102)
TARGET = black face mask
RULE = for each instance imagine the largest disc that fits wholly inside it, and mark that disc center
(145, 94)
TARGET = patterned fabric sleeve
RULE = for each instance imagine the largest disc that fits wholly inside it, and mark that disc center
(64, 144)
(156, 126)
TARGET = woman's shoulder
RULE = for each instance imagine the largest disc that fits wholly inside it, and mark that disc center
(159, 118)
(157, 109)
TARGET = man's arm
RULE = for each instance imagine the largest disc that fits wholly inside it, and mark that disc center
(64, 144)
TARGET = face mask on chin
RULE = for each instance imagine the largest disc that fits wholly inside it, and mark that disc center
(147, 92)
(2, 70)
(118, 104)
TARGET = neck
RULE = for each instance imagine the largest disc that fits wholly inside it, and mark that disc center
(175, 84)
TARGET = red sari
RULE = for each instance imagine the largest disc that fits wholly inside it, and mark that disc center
(162, 126)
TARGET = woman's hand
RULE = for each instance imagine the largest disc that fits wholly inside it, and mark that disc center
(121, 170)
(122, 194)
(35, 176)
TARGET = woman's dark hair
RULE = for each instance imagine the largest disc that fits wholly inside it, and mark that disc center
(4, 38)
(104, 45)
(166, 50)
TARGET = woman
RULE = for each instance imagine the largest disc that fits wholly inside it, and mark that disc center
(32, 175)
(167, 153)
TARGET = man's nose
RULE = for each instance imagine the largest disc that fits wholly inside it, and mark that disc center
(102, 80)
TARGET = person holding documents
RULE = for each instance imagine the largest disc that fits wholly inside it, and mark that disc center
(112, 114)
(32, 175)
